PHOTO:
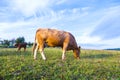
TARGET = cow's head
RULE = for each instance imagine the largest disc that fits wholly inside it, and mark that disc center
(77, 52)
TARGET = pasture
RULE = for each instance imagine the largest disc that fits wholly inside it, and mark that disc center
(93, 65)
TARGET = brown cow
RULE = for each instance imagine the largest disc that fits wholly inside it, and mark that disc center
(55, 38)
(21, 45)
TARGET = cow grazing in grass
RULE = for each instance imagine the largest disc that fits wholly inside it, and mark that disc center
(55, 38)
(21, 45)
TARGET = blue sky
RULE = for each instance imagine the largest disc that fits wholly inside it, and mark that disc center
(94, 23)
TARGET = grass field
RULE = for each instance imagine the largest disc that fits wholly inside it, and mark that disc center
(93, 65)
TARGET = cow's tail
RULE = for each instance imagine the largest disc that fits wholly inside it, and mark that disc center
(34, 46)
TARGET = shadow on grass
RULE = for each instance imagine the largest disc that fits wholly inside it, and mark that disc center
(91, 56)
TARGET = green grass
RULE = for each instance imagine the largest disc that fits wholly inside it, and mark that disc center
(93, 65)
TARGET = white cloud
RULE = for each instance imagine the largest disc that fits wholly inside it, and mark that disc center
(60, 1)
(17, 29)
(29, 7)
(84, 39)
(108, 25)
(113, 43)
(12, 25)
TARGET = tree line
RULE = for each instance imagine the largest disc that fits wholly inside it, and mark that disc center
(10, 43)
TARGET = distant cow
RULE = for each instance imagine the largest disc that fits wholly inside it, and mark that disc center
(55, 38)
(21, 45)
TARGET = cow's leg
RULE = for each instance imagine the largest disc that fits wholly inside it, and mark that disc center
(24, 49)
(42, 51)
(34, 47)
(42, 54)
(64, 50)
(63, 55)
(35, 51)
